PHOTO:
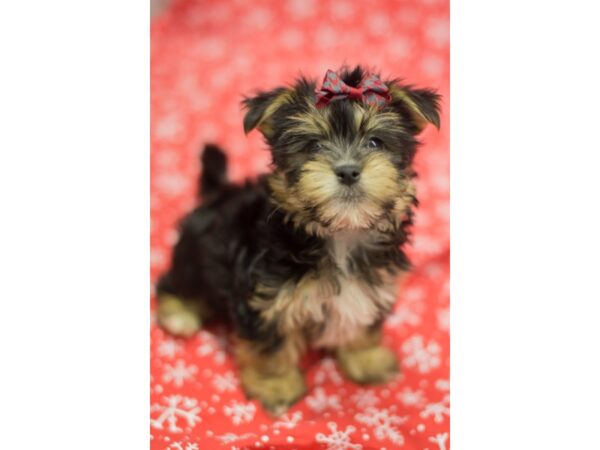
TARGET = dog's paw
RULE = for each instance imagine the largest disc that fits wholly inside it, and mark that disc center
(276, 392)
(176, 317)
(368, 366)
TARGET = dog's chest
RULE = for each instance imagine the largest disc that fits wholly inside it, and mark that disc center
(344, 306)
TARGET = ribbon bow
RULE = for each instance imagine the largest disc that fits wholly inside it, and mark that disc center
(372, 91)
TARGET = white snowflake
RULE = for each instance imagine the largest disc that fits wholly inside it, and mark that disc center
(414, 294)
(226, 382)
(378, 23)
(291, 38)
(240, 412)
(301, 8)
(325, 36)
(181, 446)
(404, 315)
(439, 439)
(383, 423)
(167, 127)
(443, 319)
(437, 31)
(327, 370)
(287, 421)
(178, 373)
(338, 440)
(400, 47)
(211, 47)
(212, 345)
(258, 18)
(424, 357)
(409, 397)
(176, 407)
(158, 258)
(426, 245)
(170, 184)
(432, 65)
(169, 348)
(437, 410)
(320, 401)
(342, 9)
(365, 398)
(442, 385)
(232, 437)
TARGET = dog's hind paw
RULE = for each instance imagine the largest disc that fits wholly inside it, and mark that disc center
(177, 317)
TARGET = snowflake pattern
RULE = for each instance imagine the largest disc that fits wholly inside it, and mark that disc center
(424, 357)
(212, 345)
(327, 371)
(289, 421)
(319, 401)
(226, 382)
(240, 412)
(232, 437)
(440, 439)
(337, 439)
(179, 373)
(383, 423)
(364, 398)
(410, 397)
(169, 348)
(436, 410)
(404, 315)
(176, 407)
(196, 58)
(183, 446)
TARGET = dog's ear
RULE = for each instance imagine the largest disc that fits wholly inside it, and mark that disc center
(421, 105)
(260, 109)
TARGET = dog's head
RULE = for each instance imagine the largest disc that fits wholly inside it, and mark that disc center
(342, 156)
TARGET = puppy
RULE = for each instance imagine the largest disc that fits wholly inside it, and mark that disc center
(307, 256)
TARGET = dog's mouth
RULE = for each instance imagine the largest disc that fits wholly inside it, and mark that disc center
(350, 195)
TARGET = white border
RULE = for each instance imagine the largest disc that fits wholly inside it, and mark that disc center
(525, 225)
(74, 239)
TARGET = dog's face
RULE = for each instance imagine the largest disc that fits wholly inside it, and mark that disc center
(347, 164)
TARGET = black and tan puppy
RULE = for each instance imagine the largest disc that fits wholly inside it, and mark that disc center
(307, 256)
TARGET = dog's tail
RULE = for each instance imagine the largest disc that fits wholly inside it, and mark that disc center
(214, 170)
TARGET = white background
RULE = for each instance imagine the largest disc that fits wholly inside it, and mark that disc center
(74, 233)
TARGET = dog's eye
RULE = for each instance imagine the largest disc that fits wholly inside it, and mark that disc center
(374, 143)
(318, 146)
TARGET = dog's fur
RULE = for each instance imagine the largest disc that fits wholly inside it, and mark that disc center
(298, 259)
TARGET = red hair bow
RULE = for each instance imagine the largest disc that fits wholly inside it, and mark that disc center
(372, 91)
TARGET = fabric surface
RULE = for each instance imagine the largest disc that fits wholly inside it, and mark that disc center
(205, 55)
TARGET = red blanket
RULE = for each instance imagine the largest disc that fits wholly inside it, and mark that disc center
(205, 55)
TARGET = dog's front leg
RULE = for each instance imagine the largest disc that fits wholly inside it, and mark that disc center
(365, 360)
(271, 376)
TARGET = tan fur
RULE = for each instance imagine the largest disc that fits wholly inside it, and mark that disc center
(264, 125)
(273, 379)
(380, 178)
(180, 317)
(313, 121)
(366, 361)
(373, 120)
(419, 119)
(318, 186)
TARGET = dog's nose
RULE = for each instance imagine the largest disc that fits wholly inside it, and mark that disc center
(348, 174)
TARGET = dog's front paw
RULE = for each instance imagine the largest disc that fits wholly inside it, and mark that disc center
(368, 366)
(276, 392)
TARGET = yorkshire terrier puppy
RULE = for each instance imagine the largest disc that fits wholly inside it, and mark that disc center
(307, 256)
